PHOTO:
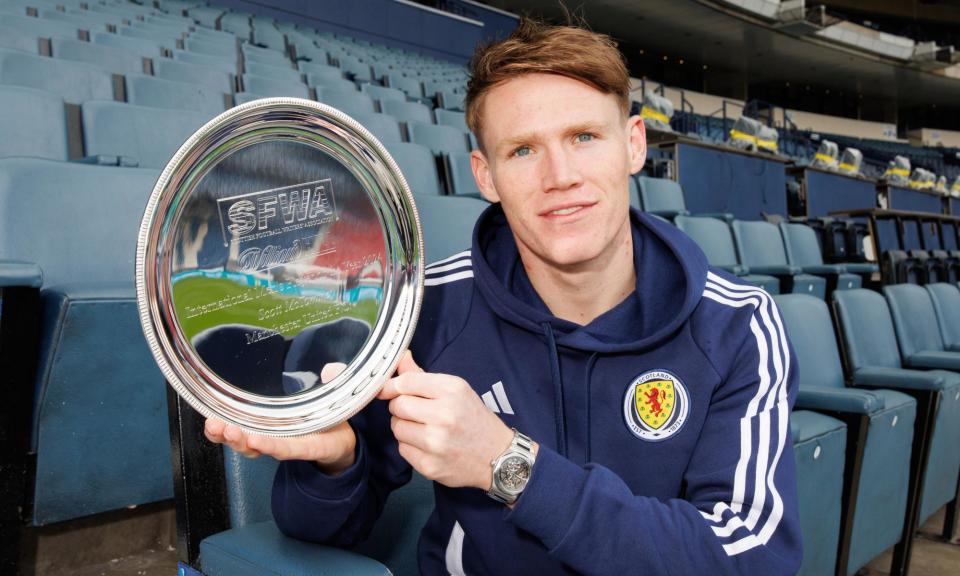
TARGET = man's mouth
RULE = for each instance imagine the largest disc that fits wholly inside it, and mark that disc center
(566, 210)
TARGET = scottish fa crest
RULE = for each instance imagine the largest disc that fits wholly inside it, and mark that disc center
(656, 405)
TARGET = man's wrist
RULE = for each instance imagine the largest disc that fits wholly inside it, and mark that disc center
(340, 464)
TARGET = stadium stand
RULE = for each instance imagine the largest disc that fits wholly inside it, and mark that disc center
(762, 250)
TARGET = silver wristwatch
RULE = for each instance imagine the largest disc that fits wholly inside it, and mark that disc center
(511, 470)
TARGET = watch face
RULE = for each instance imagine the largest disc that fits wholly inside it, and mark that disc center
(514, 473)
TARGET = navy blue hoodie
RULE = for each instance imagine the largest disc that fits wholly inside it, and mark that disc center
(663, 424)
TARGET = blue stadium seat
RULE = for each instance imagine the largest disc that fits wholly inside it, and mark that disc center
(453, 118)
(714, 237)
(406, 111)
(96, 384)
(761, 249)
(330, 83)
(360, 71)
(383, 93)
(227, 64)
(460, 175)
(115, 60)
(165, 38)
(439, 139)
(411, 86)
(138, 46)
(875, 521)
(244, 97)
(83, 19)
(353, 104)
(75, 82)
(418, 166)
(873, 357)
(149, 136)
(918, 332)
(385, 128)
(634, 190)
(819, 446)
(254, 55)
(451, 100)
(34, 123)
(41, 27)
(273, 87)
(661, 196)
(321, 70)
(286, 74)
(211, 77)
(211, 47)
(447, 223)
(946, 304)
(17, 39)
(160, 93)
(803, 250)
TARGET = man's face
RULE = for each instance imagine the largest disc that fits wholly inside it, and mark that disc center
(557, 156)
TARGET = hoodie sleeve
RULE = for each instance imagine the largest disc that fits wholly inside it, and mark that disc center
(739, 514)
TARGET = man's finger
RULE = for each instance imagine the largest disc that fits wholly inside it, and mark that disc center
(413, 455)
(412, 408)
(407, 364)
(213, 430)
(407, 432)
(423, 384)
(331, 371)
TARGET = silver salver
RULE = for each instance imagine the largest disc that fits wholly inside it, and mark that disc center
(280, 244)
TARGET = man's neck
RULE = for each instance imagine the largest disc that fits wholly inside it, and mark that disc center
(585, 291)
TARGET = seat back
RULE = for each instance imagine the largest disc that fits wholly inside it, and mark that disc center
(17, 39)
(461, 178)
(139, 46)
(226, 64)
(713, 236)
(759, 243)
(75, 82)
(412, 86)
(946, 304)
(439, 139)
(205, 46)
(272, 70)
(329, 83)
(149, 135)
(661, 196)
(353, 104)
(320, 70)
(253, 55)
(159, 93)
(384, 127)
(115, 60)
(452, 118)
(383, 93)
(42, 27)
(914, 319)
(448, 223)
(867, 329)
(215, 78)
(802, 246)
(406, 111)
(808, 322)
(418, 167)
(274, 87)
(34, 123)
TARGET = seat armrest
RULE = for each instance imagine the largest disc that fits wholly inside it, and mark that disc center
(776, 270)
(897, 379)
(839, 400)
(953, 347)
(825, 269)
(725, 216)
(14, 273)
(735, 269)
(935, 360)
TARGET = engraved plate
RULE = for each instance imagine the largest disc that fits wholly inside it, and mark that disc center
(281, 239)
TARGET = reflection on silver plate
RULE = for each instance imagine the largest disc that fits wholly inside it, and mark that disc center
(280, 244)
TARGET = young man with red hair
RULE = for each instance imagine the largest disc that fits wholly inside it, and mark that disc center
(588, 395)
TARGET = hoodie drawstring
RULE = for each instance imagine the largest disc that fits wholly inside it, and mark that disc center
(557, 389)
(588, 376)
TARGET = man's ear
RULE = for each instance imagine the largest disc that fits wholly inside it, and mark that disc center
(481, 173)
(637, 134)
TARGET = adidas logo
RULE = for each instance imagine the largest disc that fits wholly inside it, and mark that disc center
(496, 400)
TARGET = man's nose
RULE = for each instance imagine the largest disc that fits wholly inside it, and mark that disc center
(560, 171)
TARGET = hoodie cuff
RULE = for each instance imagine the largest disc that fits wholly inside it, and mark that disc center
(322, 486)
(549, 503)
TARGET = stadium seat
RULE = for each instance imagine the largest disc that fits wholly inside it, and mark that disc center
(149, 136)
(34, 123)
(96, 384)
(160, 93)
(450, 100)
(406, 111)
(918, 332)
(115, 60)
(352, 104)
(411, 86)
(41, 27)
(359, 71)
(244, 97)
(17, 39)
(460, 175)
(75, 82)
(803, 250)
(661, 197)
(946, 304)
(761, 249)
(330, 83)
(882, 419)
(439, 139)
(139, 46)
(874, 360)
(447, 224)
(255, 55)
(321, 70)
(166, 38)
(211, 77)
(211, 47)
(819, 447)
(713, 236)
(227, 64)
(273, 87)
(452, 118)
(417, 165)
(264, 70)
(385, 128)
(383, 93)
(633, 189)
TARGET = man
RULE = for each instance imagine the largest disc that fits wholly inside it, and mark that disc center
(650, 395)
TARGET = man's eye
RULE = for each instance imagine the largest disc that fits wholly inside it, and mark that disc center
(522, 151)
(585, 137)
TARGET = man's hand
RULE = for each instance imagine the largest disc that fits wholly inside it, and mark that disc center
(333, 450)
(444, 430)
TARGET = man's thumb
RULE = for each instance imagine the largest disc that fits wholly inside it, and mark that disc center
(407, 364)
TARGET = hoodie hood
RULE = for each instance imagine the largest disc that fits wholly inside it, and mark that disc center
(668, 264)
